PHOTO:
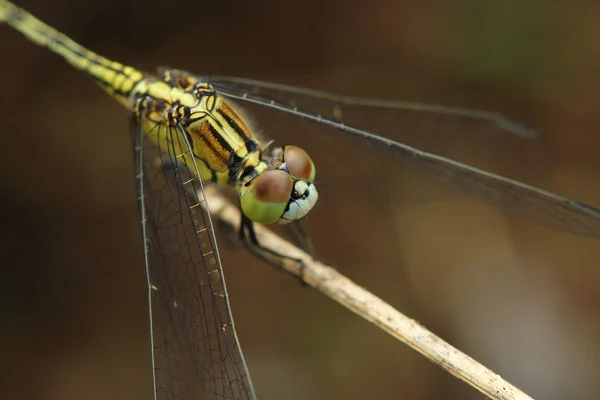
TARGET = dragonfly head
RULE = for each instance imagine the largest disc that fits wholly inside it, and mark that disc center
(283, 193)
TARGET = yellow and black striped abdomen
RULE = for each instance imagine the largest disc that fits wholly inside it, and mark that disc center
(117, 79)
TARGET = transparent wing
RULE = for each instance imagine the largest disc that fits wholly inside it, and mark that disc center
(447, 160)
(196, 352)
(346, 108)
(473, 137)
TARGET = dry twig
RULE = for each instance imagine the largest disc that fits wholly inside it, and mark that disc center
(368, 306)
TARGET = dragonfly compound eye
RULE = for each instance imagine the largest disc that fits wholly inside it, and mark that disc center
(265, 198)
(299, 163)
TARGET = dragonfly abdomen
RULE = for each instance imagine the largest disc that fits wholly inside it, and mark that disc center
(117, 79)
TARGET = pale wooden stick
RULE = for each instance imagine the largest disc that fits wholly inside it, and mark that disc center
(366, 305)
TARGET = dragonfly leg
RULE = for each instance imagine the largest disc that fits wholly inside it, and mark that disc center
(231, 235)
(269, 256)
(297, 234)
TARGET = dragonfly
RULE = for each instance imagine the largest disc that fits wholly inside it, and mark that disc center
(188, 131)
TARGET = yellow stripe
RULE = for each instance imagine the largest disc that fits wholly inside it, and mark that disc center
(117, 79)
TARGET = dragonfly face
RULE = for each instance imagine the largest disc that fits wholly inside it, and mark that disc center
(283, 194)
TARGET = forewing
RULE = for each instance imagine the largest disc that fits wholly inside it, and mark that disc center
(479, 138)
(456, 148)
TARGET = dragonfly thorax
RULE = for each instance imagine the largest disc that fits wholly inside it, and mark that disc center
(209, 135)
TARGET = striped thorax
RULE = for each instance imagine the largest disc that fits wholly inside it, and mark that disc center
(208, 133)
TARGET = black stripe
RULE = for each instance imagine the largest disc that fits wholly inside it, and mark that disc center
(117, 91)
(252, 146)
(126, 93)
(224, 144)
(236, 128)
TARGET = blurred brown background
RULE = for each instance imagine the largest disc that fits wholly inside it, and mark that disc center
(521, 299)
